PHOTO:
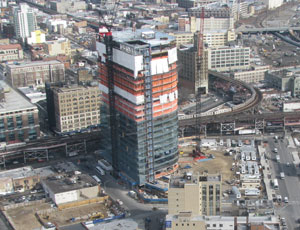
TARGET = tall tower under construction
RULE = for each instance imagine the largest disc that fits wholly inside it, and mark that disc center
(138, 78)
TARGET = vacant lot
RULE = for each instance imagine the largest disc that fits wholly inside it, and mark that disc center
(220, 164)
(80, 213)
(24, 217)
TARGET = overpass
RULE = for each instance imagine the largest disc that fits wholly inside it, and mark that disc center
(266, 30)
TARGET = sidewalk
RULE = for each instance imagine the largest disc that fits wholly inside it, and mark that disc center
(266, 171)
(294, 152)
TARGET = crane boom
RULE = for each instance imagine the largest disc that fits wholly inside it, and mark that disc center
(200, 34)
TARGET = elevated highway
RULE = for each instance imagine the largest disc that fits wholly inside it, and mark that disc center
(267, 30)
(206, 117)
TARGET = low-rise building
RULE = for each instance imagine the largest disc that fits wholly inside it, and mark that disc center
(36, 37)
(11, 52)
(73, 108)
(285, 80)
(19, 119)
(57, 47)
(253, 75)
(37, 73)
(20, 179)
(62, 188)
(187, 221)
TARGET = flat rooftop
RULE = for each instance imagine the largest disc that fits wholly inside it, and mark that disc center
(128, 224)
(271, 221)
(65, 182)
(13, 100)
(160, 38)
(18, 173)
(189, 178)
(286, 73)
(30, 64)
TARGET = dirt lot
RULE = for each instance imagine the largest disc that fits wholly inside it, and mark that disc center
(24, 218)
(63, 217)
(221, 164)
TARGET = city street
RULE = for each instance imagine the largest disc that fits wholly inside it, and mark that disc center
(288, 187)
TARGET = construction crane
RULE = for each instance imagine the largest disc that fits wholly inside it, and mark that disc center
(105, 35)
(199, 64)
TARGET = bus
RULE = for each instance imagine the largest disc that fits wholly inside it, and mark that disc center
(105, 165)
(100, 170)
(96, 179)
(275, 184)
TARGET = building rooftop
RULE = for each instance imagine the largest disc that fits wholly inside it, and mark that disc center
(13, 100)
(189, 178)
(71, 88)
(286, 73)
(148, 36)
(271, 221)
(10, 46)
(128, 224)
(34, 63)
(18, 173)
(64, 182)
(32, 94)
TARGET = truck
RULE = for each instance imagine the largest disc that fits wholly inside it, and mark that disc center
(282, 175)
(247, 131)
(275, 184)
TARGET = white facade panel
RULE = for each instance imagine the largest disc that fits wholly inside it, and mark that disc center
(101, 49)
(134, 63)
(103, 88)
(134, 99)
(172, 55)
(159, 66)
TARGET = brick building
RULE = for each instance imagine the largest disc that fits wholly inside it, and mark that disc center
(35, 73)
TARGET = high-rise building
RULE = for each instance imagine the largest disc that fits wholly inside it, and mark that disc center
(193, 74)
(24, 21)
(140, 106)
(198, 194)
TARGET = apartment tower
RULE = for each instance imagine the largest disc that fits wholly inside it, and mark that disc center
(139, 88)
(24, 21)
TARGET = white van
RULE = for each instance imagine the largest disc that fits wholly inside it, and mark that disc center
(282, 175)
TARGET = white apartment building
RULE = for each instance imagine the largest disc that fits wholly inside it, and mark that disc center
(212, 23)
(228, 58)
(272, 4)
(254, 75)
(24, 21)
(215, 38)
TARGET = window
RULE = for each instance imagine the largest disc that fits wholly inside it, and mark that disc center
(31, 119)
